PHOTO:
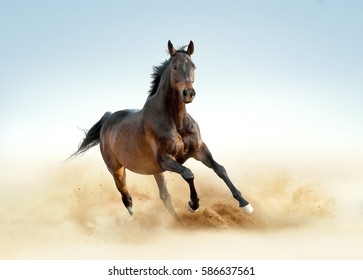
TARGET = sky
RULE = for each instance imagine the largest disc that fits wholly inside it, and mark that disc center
(272, 76)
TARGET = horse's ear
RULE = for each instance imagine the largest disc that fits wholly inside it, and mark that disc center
(190, 48)
(171, 49)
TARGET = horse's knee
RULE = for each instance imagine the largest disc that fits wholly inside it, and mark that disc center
(220, 170)
(187, 175)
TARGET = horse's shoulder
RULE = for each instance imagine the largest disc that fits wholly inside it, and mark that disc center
(191, 125)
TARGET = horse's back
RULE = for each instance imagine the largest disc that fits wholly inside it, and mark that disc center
(118, 117)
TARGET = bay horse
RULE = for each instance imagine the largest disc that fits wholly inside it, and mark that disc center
(160, 137)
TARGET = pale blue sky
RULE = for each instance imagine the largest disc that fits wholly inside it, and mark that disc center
(289, 73)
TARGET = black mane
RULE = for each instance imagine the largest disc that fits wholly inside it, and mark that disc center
(159, 70)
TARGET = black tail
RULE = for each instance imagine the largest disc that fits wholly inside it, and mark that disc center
(92, 137)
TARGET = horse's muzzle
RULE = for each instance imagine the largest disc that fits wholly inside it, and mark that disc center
(188, 95)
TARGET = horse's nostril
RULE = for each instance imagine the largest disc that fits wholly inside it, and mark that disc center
(184, 93)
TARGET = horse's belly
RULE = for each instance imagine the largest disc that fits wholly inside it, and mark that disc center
(136, 155)
(143, 165)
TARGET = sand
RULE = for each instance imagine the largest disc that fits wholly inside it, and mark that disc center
(73, 211)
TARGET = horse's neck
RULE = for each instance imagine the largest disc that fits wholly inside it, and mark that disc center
(177, 110)
(169, 103)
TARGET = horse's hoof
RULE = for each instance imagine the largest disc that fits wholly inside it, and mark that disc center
(131, 211)
(248, 209)
(190, 207)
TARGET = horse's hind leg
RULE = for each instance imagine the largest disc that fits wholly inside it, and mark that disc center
(164, 194)
(120, 180)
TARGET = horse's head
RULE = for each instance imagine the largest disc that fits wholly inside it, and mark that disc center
(181, 69)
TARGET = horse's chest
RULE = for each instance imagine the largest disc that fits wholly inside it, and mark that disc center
(184, 144)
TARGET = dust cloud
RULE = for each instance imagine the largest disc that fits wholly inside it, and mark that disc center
(75, 212)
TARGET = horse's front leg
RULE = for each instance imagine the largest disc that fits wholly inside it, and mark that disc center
(168, 163)
(204, 155)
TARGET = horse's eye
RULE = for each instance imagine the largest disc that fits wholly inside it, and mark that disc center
(174, 68)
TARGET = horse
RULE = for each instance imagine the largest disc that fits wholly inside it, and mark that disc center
(160, 137)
